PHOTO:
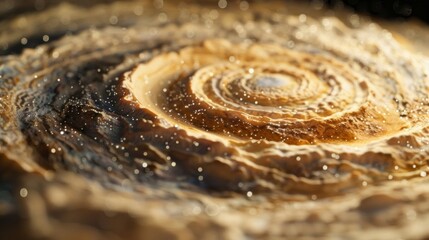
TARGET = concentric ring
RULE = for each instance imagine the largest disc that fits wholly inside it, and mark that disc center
(236, 121)
(261, 91)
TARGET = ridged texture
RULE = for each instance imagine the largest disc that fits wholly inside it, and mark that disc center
(213, 124)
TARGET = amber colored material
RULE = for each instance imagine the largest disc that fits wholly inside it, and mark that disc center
(225, 120)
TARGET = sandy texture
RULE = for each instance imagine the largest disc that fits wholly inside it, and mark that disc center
(196, 122)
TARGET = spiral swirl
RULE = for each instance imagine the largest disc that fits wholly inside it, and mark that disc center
(270, 111)
(245, 95)
(264, 92)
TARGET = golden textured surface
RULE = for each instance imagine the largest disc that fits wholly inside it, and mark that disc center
(254, 121)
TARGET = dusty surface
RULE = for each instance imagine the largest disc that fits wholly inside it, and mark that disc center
(252, 121)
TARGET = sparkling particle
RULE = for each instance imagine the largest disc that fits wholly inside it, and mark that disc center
(45, 38)
(23, 192)
(162, 17)
(222, 4)
(244, 5)
(24, 41)
(113, 20)
(302, 18)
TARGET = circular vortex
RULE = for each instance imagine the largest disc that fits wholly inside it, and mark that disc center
(232, 123)
(266, 92)
(250, 103)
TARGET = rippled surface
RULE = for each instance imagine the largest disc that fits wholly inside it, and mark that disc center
(203, 122)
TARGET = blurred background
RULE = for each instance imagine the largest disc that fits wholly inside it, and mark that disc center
(391, 13)
(391, 9)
